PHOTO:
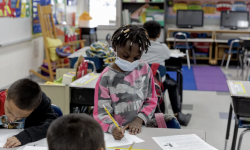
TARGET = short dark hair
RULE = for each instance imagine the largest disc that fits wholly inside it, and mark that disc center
(153, 28)
(74, 132)
(133, 33)
(25, 93)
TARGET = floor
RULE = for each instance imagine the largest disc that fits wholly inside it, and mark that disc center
(210, 112)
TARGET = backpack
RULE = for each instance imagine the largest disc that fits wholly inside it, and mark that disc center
(158, 88)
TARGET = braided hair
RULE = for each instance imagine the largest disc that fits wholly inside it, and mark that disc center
(131, 33)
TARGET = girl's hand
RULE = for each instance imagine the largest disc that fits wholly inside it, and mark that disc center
(135, 126)
(118, 134)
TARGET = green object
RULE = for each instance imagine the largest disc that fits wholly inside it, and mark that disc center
(59, 80)
(157, 0)
(153, 13)
(194, 7)
(27, 7)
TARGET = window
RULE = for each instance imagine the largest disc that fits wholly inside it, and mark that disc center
(104, 12)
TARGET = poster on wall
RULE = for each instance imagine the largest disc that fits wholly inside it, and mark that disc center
(14, 8)
(211, 8)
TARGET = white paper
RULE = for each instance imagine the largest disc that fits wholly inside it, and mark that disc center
(182, 142)
(7, 133)
(2, 144)
(35, 148)
(177, 55)
(128, 140)
(40, 143)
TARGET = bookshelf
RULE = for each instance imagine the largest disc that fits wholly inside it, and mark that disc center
(133, 6)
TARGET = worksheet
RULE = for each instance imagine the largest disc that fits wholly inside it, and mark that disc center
(7, 133)
(182, 142)
(35, 148)
(127, 140)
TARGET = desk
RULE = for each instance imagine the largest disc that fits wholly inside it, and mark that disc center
(208, 30)
(148, 133)
(241, 105)
(83, 94)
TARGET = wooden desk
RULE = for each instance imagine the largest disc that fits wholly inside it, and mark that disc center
(146, 134)
(240, 104)
(208, 30)
(218, 41)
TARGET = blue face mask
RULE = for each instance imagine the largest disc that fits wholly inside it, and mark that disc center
(126, 65)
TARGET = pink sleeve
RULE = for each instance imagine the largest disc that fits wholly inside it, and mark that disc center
(149, 105)
(102, 97)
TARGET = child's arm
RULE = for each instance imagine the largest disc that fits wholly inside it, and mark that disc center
(148, 107)
(37, 124)
(102, 97)
(166, 51)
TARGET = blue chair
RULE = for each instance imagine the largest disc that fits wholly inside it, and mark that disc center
(233, 49)
(57, 110)
(183, 37)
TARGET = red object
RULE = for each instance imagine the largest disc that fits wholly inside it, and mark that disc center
(66, 61)
(66, 38)
(82, 69)
(202, 47)
(2, 100)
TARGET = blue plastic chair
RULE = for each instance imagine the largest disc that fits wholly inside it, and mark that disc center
(57, 110)
(183, 36)
(233, 49)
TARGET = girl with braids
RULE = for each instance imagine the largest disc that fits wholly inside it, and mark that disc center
(126, 88)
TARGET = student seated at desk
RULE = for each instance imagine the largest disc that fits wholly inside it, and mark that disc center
(158, 53)
(24, 105)
(75, 132)
(126, 88)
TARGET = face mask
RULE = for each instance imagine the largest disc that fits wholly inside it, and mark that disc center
(126, 65)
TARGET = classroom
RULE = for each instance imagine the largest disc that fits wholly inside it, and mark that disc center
(126, 74)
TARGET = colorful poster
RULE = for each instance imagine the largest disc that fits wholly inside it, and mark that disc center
(212, 8)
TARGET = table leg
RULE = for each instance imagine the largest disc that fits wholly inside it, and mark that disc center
(228, 125)
(89, 39)
(243, 63)
(180, 85)
(96, 37)
(236, 127)
(211, 54)
(216, 53)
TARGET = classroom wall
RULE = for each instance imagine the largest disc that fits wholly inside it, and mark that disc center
(16, 60)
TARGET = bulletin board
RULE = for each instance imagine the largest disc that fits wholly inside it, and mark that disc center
(15, 20)
(212, 8)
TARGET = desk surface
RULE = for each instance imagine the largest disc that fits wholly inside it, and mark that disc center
(239, 88)
(90, 85)
(148, 133)
(192, 40)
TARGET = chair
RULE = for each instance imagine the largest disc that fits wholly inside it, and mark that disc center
(57, 110)
(49, 30)
(233, 43)
(184, 37)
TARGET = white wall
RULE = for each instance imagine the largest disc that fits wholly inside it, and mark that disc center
(16, 60)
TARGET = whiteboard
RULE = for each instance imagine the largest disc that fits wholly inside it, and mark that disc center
(15, 30)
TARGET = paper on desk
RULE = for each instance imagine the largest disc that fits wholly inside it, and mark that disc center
(128, 140)
(182, 142)
(7, 133)
(177, 55)
(40, 143)
(35, 148)
(2, 144)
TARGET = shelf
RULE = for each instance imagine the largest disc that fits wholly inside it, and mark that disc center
(143, 2)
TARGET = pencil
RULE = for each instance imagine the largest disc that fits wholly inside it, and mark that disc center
(131, 146)
(111, 117)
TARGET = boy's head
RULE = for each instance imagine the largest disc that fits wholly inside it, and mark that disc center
(75, 132)
(22, 98)
(153, 28)
(130, 42)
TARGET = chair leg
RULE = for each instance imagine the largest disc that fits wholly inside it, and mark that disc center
(194, 57)
(188, 61)
(248, 71)
(222, 62)
(236, 126)
(228, 125)
(241, 137)
(228, 60)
